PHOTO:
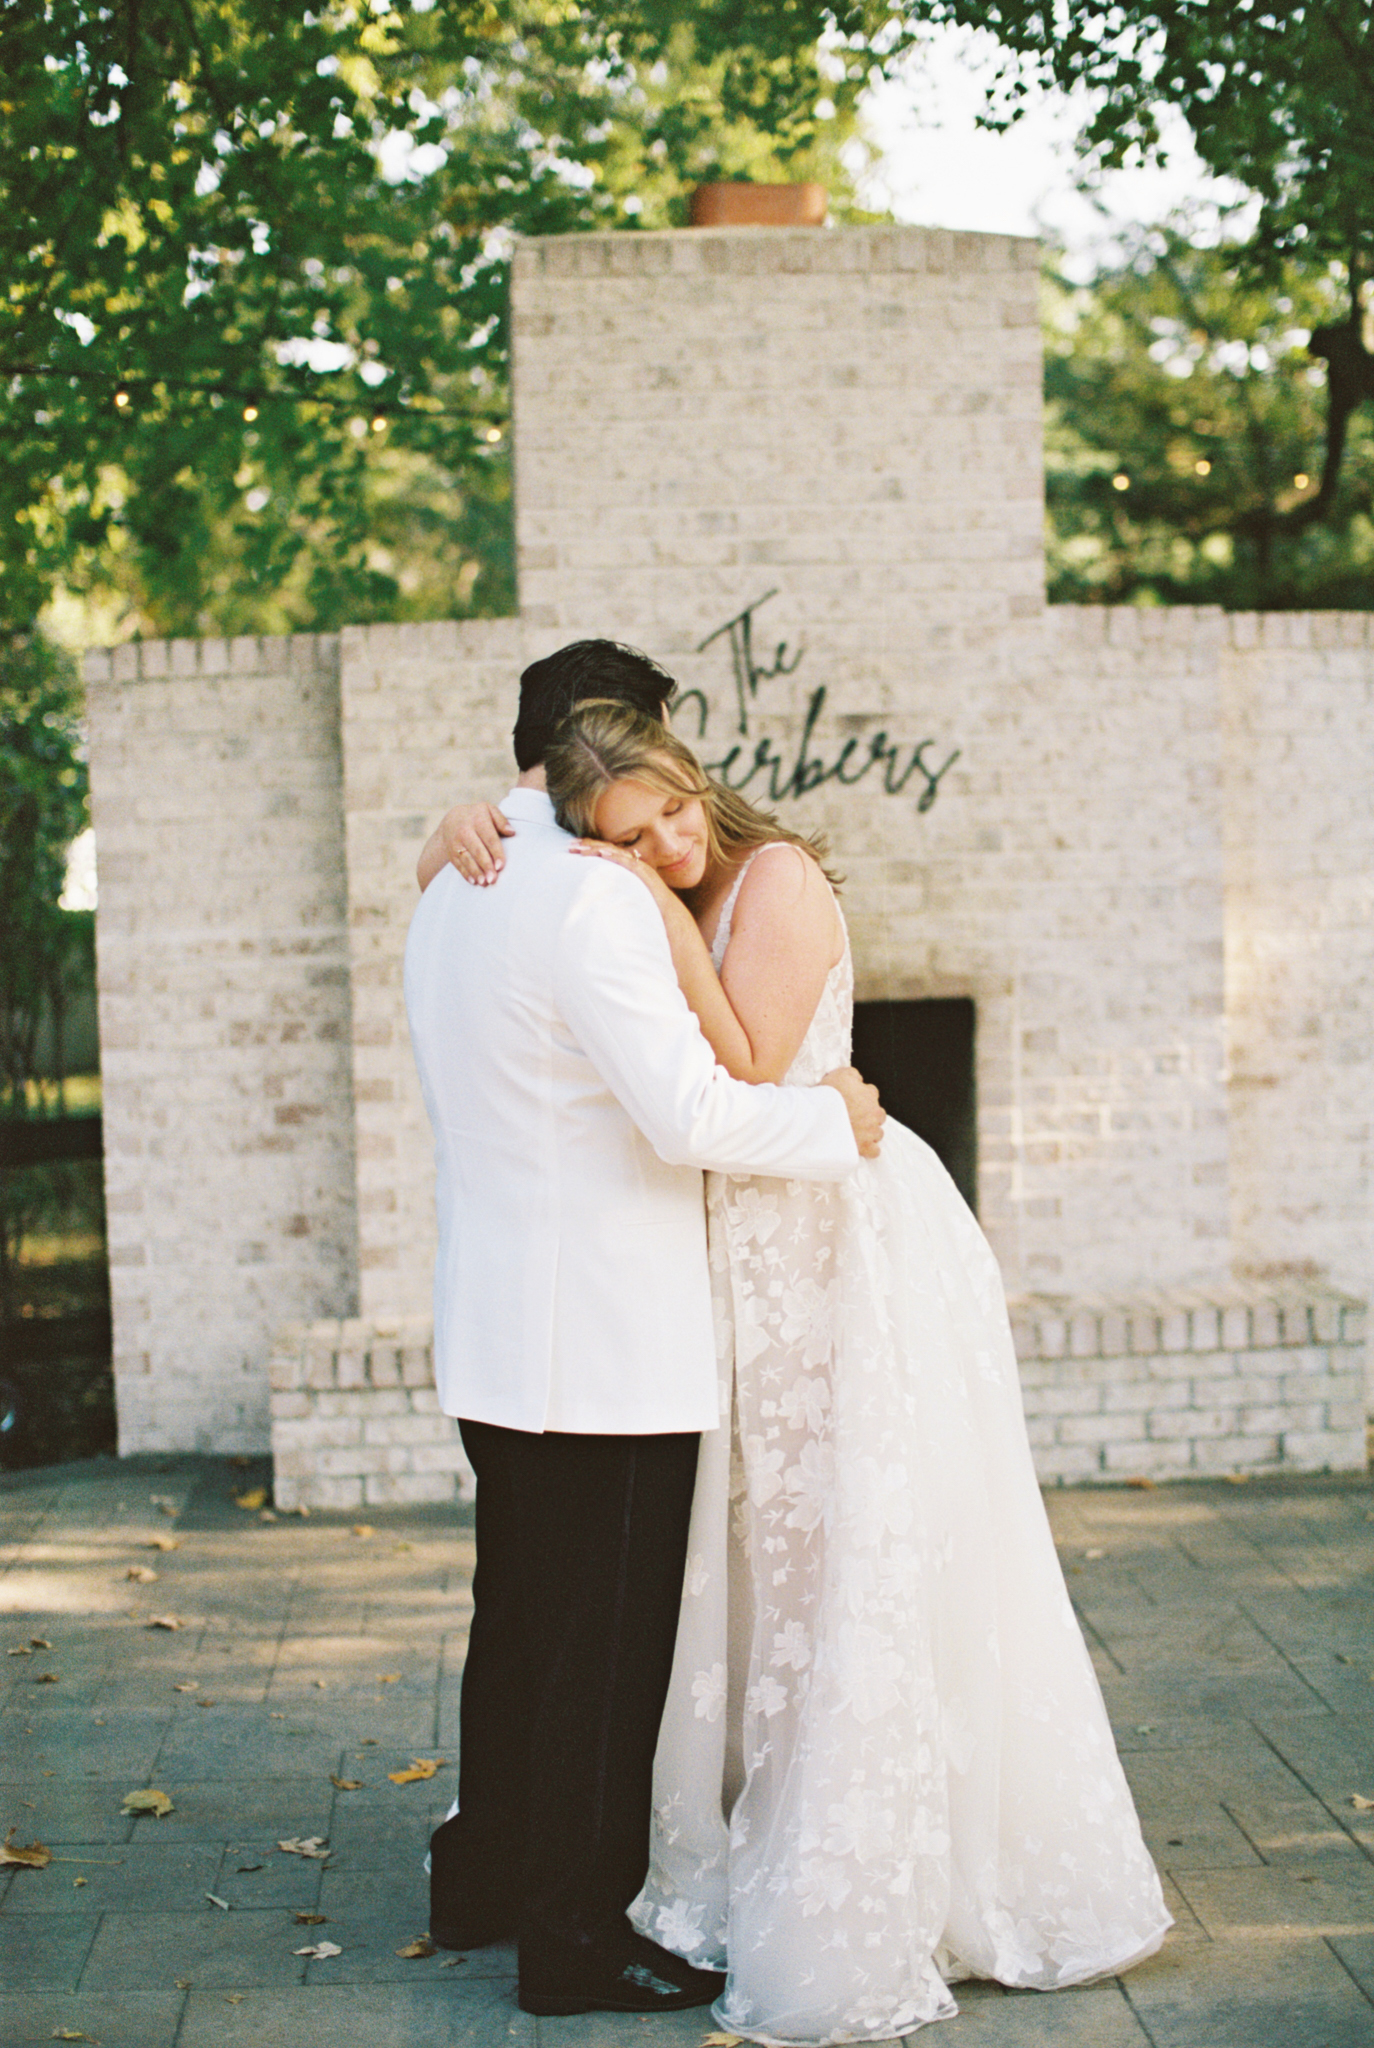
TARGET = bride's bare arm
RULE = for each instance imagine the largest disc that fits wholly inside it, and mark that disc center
(785, 937)
(470, 837)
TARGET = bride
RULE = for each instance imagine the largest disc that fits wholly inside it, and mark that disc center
(885, 1763)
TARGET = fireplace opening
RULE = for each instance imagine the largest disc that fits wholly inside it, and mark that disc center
(919, 1056)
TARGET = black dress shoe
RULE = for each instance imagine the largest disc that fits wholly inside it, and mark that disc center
(646, 1979)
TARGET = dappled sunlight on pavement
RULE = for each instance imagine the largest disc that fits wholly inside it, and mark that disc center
(294, 1679)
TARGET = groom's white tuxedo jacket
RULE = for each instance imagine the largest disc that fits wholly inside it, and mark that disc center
(575, 1103)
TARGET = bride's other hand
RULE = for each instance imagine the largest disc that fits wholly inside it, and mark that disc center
(469, 839)
(665, 898)
(866, 1114)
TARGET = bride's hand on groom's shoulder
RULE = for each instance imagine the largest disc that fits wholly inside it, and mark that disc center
(472, 835)
(601, 849)
(469, 839)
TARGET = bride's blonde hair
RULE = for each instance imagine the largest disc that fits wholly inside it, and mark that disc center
(604, 741)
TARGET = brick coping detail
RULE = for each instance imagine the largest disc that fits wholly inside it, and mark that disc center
(1204, 1383)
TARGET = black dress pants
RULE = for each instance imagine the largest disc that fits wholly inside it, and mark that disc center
(581, 1547)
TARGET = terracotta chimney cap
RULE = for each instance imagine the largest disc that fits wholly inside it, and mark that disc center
(759, 206)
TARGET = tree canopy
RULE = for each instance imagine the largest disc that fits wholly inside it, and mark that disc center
(1185, 424)
(255, 257)
(1279, 96)
(252, 345)
(43, 805)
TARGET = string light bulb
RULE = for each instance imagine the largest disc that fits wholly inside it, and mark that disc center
(1121, 482)
(1202, 467)
(492, 434)
(379, 422)
(122, 398)
(250, 412)
(1302, 480)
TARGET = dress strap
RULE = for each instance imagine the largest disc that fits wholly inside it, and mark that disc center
(726, 918)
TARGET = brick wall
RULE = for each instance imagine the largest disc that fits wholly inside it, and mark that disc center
(355, 1418)
(1298, 696)
(863, 407)
(224, 1022)
(1193, 1384)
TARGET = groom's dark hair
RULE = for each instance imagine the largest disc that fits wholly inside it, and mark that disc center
(585, 668)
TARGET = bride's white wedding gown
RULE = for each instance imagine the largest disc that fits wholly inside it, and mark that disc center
(885, 1762)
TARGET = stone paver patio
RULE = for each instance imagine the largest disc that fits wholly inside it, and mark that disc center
(1233, 1627)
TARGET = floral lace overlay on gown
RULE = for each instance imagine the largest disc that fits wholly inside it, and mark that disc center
(885, 1761)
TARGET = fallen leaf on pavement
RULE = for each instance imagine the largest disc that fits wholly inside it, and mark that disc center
(1096, 1552)
(244, 1868)
(720, 2041)
(416, 1951)
(165, 1621)
(312, 1846)
(148, 1801)
(71, 2034)
(20, 1650)
(321, 1684)
(39, 1643)
(182, 1983)
(1236, 1478)
(235, 1997)
(421, 1767)
(1360, 1803)
(34, 1857)
(163, 1543)
(388, 1678)
(205, 1700)
(320, 1952)
(1141, 1484)
(362, 1529)
(142, 1574)
(311, 1919)
(256, 1497)
(267, 1516)
(46, 1678)
(186, 1685)
(223, 1904)
(346, 1784)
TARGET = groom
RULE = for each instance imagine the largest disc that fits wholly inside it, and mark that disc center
(575, 1104)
